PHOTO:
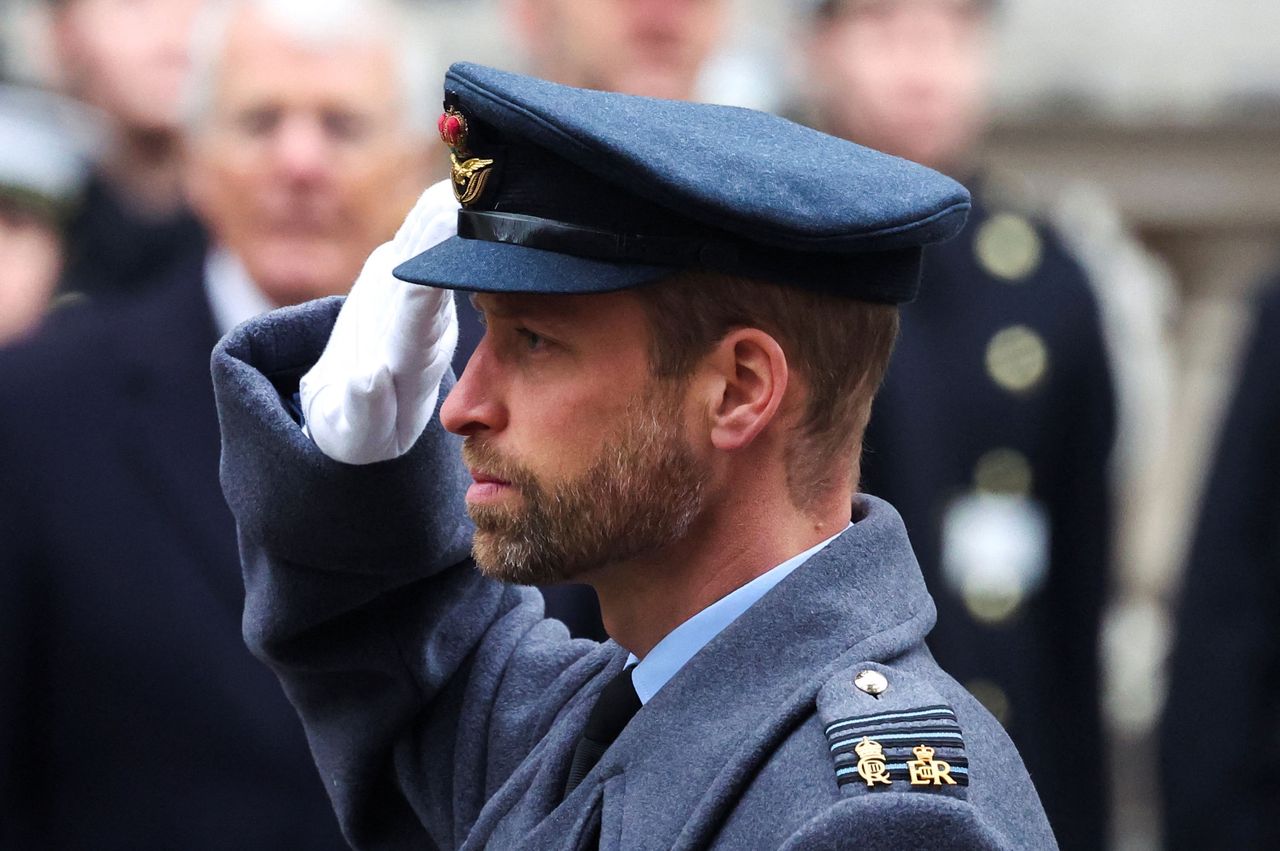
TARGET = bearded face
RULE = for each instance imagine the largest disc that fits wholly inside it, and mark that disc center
(640, 494)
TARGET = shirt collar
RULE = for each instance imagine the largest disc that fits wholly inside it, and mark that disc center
(233, 297)
(681, 644)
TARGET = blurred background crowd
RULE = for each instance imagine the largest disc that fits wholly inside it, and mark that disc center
(1081, 426)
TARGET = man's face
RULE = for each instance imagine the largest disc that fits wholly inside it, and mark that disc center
(908, 77)
(304, 163)
(30, 260)
(129, 58)
(641, 47)
(581, 458)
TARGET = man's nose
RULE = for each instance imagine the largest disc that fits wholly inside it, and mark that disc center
(474, 406)
(301, 148)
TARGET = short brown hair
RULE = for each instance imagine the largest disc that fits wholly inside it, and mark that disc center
(838, 345)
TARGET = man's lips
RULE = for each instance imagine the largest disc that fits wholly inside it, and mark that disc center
(485, 487)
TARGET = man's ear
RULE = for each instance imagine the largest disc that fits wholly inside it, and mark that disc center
(750, 371)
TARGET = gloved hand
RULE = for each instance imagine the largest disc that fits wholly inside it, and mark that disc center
(371, 393)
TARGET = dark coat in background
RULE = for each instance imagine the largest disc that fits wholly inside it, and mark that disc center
(991, 437)
(131, 714)
(1220, 740)
(114, 250)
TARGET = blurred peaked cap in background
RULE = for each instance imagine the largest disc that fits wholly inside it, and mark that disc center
(568, 190)
(47, 147)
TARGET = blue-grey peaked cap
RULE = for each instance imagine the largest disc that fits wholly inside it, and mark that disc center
(569, 190)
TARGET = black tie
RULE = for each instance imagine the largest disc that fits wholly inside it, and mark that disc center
(615, 706)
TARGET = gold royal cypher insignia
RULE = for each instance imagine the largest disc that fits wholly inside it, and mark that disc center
(871, 763)
(927, 771)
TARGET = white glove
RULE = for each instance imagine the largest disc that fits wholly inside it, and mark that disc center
(373, 390)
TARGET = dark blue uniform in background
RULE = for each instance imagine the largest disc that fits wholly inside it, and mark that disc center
(991, 437)
(1220, 742)
(131, 713)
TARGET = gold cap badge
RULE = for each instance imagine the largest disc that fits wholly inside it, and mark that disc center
(470, 174)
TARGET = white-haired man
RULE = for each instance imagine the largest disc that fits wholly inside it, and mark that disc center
(132, 715)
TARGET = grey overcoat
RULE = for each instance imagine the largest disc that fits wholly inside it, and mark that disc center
(442, 708)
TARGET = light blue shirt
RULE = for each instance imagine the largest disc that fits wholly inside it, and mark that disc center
(683, 643)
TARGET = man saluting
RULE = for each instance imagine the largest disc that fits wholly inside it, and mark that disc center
(688, 311)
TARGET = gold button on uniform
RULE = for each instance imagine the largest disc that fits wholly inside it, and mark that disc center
(1017, 359)
(993, 607)
(1008, 247)
(873, 683)
(1005, 471)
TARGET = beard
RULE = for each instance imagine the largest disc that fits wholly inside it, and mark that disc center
(641, 494)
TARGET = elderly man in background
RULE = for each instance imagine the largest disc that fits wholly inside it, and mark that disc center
(127, 59)
(132, 716)
(43, 167)
(993, 431)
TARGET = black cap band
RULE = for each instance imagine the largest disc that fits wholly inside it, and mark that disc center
(882, 275)
(593, 243)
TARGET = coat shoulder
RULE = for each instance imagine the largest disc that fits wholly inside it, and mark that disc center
(906, 741)
(900, 822)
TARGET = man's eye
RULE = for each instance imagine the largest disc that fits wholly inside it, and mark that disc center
(259, 122)
(345, 126)
(532, 339)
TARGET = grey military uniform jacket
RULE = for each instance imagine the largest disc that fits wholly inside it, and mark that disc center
(442, 708)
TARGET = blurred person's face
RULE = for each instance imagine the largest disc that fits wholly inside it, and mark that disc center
(908, 77)
(129, 58)
(642, 47)
(304, 163)
(30, 261)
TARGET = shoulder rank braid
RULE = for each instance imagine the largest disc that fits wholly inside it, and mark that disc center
(911, 749)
